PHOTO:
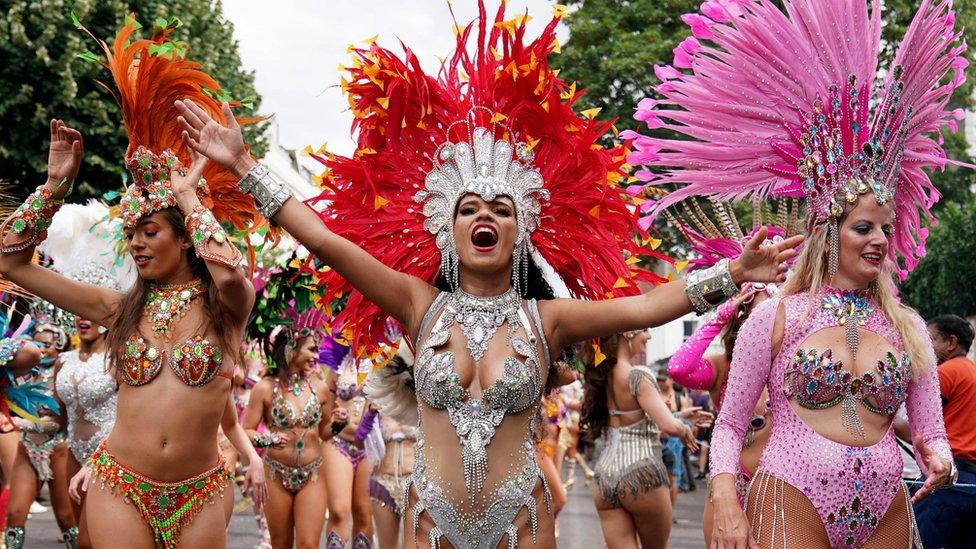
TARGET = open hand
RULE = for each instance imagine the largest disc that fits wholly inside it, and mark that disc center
(939, 469)
(64, 155)
(764, 262)
(186, 180)
(222, 144)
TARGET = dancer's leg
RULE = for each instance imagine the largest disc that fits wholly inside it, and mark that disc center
(109, 518)
(58, 489)
(309, 513)
(651, 512)
(23, 490)
(279, 510)
(338, 482)
(619, 531)
(387, 526)
(362, 505)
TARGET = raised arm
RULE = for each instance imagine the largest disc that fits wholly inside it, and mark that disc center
(223, 260)
(571, 320)
(28, 226)
(402, 296)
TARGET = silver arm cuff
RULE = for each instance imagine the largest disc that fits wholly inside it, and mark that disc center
(269, 195)
(709, 287)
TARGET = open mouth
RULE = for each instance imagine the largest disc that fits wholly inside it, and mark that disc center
(872, 258)
(484, 238)
(84, 326)
(142, 260)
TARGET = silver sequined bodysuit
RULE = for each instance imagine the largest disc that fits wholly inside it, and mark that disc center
(471, 483)
(89, 394)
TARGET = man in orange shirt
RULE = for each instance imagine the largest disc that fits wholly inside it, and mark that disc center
(947, 518)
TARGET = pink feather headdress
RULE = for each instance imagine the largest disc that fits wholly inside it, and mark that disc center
(784, 104)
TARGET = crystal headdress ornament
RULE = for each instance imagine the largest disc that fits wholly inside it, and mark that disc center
(783, 103)
(487, 165)
(150, 75)
(495, 120)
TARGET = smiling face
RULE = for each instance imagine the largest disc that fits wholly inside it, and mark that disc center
(305, 355)
(156, 247)
(865, 235)
(485, 233)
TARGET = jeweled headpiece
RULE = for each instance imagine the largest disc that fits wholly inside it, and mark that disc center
(149, 76)
(783, 103)
(485, 164)
(495, 91)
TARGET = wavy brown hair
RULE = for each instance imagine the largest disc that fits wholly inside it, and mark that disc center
(133, 302)
(595, 412)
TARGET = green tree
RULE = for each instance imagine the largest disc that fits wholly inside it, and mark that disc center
(943, 282)
(42, 78)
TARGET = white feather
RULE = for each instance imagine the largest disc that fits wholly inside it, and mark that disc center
(82, 235)
(390, 390)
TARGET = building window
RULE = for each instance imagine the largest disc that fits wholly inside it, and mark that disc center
(689, 328)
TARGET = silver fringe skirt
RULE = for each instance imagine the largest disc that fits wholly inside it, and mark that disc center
(631, 462)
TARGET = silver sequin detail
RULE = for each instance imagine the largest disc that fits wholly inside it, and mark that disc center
(89, 394)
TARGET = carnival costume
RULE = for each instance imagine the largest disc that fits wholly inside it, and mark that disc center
(631, 463)
(149, 75)
(778, 104)
(495, 122)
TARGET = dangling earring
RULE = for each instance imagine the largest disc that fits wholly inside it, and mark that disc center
(520, 269)
(833, 259)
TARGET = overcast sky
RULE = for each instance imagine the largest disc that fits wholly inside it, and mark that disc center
(296, 46)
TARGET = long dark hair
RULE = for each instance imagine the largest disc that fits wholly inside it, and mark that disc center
(595, 413)
(132, 305)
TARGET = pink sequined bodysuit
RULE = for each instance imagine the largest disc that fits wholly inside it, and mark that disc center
(850, 486)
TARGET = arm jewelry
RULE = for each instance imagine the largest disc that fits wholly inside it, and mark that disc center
(366, 424)
(266, 440)
(203, 227)
(269, 195)
(709, 287)
(688, 366)
(32, 217)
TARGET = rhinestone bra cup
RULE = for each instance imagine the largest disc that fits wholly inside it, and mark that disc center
(475, 420)
(195, 362)
(283, 413)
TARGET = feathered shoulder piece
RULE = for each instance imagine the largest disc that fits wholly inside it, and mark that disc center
(787, 102)
(495, 119)
(149, 75)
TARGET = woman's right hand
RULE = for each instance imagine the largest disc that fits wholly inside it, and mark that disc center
(63, 157)
(282, 440)
(730, 526)
(79, 483)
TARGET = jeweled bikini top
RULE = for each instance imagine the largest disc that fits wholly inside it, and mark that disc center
(195, 362)
(439, 385)
(815, 381)
(283, 414)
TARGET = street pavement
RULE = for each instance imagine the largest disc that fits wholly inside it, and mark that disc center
(578, 524)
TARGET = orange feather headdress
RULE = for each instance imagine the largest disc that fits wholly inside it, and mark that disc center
(150, 76)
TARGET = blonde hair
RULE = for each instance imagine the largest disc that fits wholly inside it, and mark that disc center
(808, 276)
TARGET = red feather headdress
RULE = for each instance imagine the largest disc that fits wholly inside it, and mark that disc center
(403, 117)
(150, 75)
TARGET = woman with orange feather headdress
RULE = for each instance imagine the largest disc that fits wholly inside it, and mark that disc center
(474, 194)
(187, 309)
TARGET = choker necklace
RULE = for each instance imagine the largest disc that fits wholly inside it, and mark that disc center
(480, 317)
(165, 303)
(851, 309)
(296, 384)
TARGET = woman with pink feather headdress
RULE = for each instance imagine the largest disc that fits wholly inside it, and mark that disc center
(782, 103)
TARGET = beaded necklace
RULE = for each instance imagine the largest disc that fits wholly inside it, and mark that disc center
(166, 303)
(851, 308)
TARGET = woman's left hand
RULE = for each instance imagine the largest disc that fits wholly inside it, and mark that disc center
(939, 469)
(254, 479)
(186, 180)
(763, 262)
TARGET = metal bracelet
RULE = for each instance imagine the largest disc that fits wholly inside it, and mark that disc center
(269, 194)
(708, 288)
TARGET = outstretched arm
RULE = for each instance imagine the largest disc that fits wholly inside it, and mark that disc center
(571, 320)
(402, 296)
(28, 227)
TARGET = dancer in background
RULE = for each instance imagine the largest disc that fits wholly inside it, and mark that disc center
(837, 350)
(622, 403)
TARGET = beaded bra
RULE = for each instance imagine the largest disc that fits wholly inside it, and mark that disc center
(195, 362)
(815, 381)
(475, 419)
(283, 414)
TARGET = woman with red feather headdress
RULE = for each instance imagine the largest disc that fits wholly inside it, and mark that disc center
(472, 195)
(188, 307)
